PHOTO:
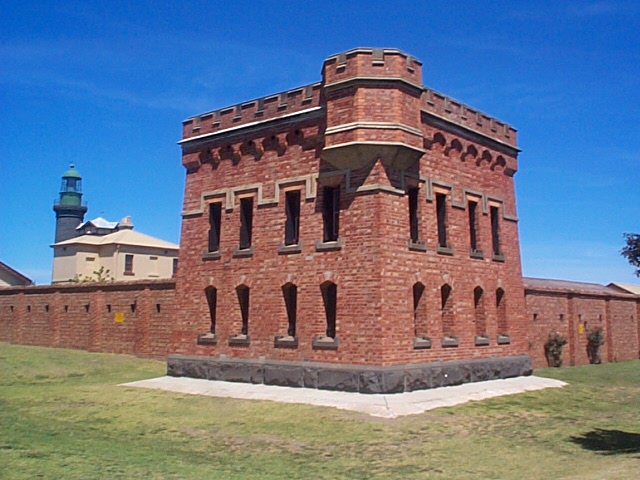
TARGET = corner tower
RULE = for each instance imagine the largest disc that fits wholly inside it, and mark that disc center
(69, 208)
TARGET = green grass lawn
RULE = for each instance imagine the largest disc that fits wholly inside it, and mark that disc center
(62, 415)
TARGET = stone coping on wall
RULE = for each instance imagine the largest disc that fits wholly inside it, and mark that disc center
(349, 378)
(69, 287)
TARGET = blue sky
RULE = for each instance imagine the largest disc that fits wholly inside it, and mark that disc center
(106, 85)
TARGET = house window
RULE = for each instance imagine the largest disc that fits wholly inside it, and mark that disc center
(480, 314)
(292, 224)
(414, 224)
(128, 264)
(419, 311)
(473, 226)
(501, 312)
(331, 213)
(212, 302)
(175, 267)
(215, 218)
(446, 303)
(495, 231)
(153, 266)
(243, 299)
(441, 212)
(290, 294)
(330, 300)
(246, 222)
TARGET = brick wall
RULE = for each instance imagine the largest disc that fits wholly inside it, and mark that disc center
(571, 309)
(371, 130)
(132, 318)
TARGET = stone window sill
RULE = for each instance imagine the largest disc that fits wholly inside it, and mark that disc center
(327, 246)
(445, 250)
(239, 340)
(482, 340)
(421, 343)
(285, 341)
(129, 274)
(322, 342)
(211, 255)
(504, 339)
(417, 246)
(449, 342)
(475, 253)
(287, 249)
(244, 252)
(207, 339)
(497, 257)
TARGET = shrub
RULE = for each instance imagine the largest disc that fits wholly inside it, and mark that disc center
(553, 349)
(595, 338)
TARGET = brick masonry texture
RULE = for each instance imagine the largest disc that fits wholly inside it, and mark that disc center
(132, 318)
(370, 129)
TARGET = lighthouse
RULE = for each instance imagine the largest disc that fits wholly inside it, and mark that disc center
(69, 208)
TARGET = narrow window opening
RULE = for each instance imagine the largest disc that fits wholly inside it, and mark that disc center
(501, 312)
(331, 213)
(290, 294)
(446, 311)
(28, 308)
(86, 308)
(292, 224)
(441, 210)
(212, 301)
(330, 300)
(495, 231)
(479, 310)
(419, 311)
(215, 219)
(11, 308)
(473, 225)
(246, 222)
(128, 264)
(46, 308)
(243, 299)
(133, 307)
(108, 308)
(66, 308)
(175, 267)
(157, 308)
(414, 223)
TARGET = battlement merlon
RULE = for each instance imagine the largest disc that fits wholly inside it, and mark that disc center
(359, 66)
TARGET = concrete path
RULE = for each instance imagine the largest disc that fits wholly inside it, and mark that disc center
(387, 406)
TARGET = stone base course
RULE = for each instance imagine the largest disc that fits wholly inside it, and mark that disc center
(349, 378)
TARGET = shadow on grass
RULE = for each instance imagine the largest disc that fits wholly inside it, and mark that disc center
(609, 442)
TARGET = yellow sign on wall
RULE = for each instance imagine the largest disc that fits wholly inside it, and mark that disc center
(580, 328)
(119, 317)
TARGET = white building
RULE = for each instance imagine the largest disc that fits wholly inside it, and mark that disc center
(115, 251)
(11, 278)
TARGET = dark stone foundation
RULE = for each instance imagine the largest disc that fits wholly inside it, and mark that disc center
(349, 378)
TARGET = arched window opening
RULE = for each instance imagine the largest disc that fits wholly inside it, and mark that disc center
(330, 300)
(243, 299)
(212, 301)
(419, 311)
(290, 294)
(501, 312)
(447, 311)
(480, 315)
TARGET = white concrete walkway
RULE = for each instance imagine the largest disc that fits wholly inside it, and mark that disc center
(387, 406)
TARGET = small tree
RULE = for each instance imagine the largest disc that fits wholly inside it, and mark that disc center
(553, 349)
(595, 338)
(631, 251)
(99, 276)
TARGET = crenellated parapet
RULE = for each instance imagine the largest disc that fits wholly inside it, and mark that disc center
(278, 106)
(372, 102)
